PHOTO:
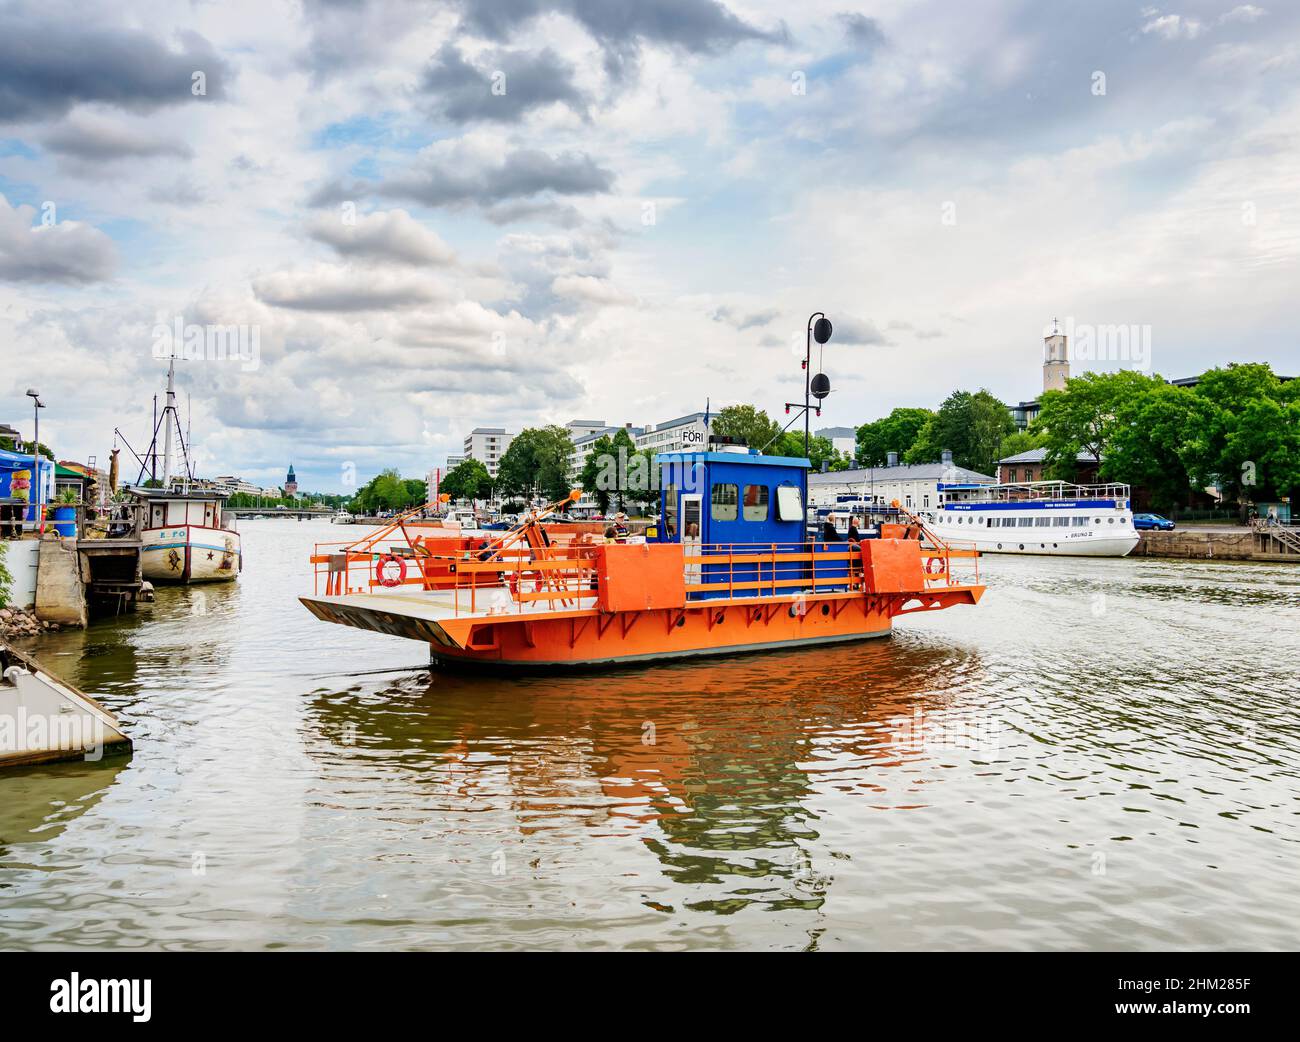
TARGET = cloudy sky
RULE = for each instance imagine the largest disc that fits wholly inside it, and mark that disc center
(507, 212)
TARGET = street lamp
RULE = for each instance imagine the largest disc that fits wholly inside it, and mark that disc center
(38, 517)
(818, 386)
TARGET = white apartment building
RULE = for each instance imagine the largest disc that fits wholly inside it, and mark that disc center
(581, 428)
(488, 445)
(684, 434)
(842, 439)
(230, 484)
(582, 446)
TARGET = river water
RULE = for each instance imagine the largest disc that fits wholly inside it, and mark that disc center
(1102, 754)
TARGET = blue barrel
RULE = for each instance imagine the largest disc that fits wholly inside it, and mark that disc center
(65, 521)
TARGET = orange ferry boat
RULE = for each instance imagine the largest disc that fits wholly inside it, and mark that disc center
(730, 569)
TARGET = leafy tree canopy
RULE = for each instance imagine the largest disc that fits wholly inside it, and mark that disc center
(537, 463)
(896, 432)
(469, 479)
(971, 425)
(752, 426)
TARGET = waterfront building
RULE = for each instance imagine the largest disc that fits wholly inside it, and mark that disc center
(1056, 370)
(582, 448)
(291, 484)
(913, 485)
(583, 445)
(842, 439)
(581, 428)
(1028, 466)
(230, 484)
(488, 445)
(689, 433)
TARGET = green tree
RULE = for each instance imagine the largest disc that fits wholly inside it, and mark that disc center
(1248, 439)
(819, 450)
(1021, 441)
(1085, 416)
(745, 423)
(537, 463)
(611, 471)
(896, 432)
(469, 479)
(5, 578)
(594, 468)
(971, 425)
(1152, 441)
(645, 492)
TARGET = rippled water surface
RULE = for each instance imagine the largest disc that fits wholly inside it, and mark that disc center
(1102, 754)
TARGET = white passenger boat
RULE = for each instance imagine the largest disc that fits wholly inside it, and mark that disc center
(342, 518)
(1041, 517)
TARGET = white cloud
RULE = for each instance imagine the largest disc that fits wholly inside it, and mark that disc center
(386, 236)
(68, 252)
(1174, 26)
(344, 289)
(591, 290)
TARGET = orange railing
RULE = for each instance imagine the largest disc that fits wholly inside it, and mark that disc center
(522, 569)
(753, 570)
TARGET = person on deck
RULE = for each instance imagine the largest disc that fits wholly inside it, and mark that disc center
(829, 535)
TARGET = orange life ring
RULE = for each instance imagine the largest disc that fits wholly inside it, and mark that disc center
(935, 566)
(401, 571)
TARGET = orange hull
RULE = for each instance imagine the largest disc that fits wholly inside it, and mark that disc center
(610, 604)
(586, 638)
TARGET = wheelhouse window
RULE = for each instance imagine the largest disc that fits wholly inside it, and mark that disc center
(725, 502)
(789, 504)
(756, 506)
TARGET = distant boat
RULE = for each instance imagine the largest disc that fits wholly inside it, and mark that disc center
(342, 518)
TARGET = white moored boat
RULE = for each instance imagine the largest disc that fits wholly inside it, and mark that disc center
(1041, 517)
(342, 518)
(187, 537)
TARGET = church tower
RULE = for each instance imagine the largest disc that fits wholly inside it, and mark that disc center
(1056, 360)
(291, 483)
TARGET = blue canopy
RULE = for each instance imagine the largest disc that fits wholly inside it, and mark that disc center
(16, 479)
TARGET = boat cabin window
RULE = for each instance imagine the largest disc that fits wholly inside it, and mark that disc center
(789, 504)
(725, 502)
(756, 503)
(670, 511)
